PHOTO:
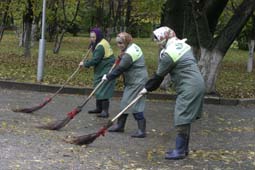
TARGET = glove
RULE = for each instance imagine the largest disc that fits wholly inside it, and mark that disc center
(104, 78)
(143, 91)
(81, 64)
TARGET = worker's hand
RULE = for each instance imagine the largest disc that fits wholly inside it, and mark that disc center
(104, 78)
(81, 64)
(143, 91)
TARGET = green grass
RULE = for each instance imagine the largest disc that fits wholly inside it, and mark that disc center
(233, 80)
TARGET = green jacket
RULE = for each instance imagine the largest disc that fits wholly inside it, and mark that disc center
(102, 64)
(132, 67)
(178, 60)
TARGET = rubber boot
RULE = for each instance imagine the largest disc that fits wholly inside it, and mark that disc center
(141, 132)
(186, 148)
(180, 149)
(141, 122)
(120, 125)
(105, 109)
(98, 108)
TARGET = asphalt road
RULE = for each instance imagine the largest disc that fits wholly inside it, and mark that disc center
(224, 139)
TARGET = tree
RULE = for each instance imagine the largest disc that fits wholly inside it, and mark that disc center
(28, 20)
(5, 14)
(197, 20)
(64, 22)
(251, 44)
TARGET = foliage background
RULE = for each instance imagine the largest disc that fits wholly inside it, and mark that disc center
(233, 80)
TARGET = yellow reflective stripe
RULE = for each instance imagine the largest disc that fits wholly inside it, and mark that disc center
(107, 48)
(135, 52)
(177, 49)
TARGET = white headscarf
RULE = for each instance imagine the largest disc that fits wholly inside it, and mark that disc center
(163, 34)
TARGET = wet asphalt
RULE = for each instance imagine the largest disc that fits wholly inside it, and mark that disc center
(224, 139)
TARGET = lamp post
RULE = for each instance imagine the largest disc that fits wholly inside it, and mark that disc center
(41, 52)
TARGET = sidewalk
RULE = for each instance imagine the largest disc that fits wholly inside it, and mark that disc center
(82, 91)
(223, 139)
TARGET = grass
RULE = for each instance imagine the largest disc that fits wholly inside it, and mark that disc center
(233, 80)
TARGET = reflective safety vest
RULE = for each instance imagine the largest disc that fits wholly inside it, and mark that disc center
(134, 51)
(107, 48)
(177, 49)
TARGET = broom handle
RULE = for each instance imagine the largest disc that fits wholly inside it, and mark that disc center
(77, 69)
(96, 88)
(127, 107)
(91, 94)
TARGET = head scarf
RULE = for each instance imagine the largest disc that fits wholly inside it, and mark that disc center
(99, 37)
(125, 38)
(162, 34)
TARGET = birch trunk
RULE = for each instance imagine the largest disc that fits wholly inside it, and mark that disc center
(27, 39)
(251, 56)
(209, 64)
(33, 34)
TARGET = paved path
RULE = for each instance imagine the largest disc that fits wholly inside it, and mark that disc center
(223, 140)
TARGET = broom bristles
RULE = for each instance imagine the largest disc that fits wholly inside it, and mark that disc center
(27, 110)
(32, 109)
(55, 125)
(61, 123)
(88, 139)
(83, 140)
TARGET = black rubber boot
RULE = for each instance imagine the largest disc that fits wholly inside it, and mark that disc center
(105, 109)
(98, 108)
(180, 151)
(120, 125)
(186, 148)
(141, 132)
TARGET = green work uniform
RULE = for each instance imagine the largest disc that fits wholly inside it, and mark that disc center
(102, 61)
(132, 66)
(178, 60)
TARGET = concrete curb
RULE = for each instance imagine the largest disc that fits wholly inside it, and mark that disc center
(83, 91)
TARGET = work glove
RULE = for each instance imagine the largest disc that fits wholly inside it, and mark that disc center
(81, 64)
(143, 91)
(104, 78)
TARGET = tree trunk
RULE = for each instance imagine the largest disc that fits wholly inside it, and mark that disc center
(21, 35)
(117, 18)
(52, 26)
(58, 42)
(1, 32)
(214, 49)
(128, 13)
(28, 20)
(251, 46)
(196, 20)
(100, 14)
(251, 56)
(4, 20)
(64, 27)
(27, 39)
(33, 34)
(209, 64)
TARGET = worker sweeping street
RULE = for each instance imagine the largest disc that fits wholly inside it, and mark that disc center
(102, 61)
(132, 67)
(177, 59)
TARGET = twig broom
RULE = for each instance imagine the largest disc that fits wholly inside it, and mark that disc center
(49, 99)
(70, 115)
(87, 139)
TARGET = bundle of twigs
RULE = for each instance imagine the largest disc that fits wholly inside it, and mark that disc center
(49, 99)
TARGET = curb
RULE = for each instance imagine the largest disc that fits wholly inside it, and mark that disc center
(82, 91)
